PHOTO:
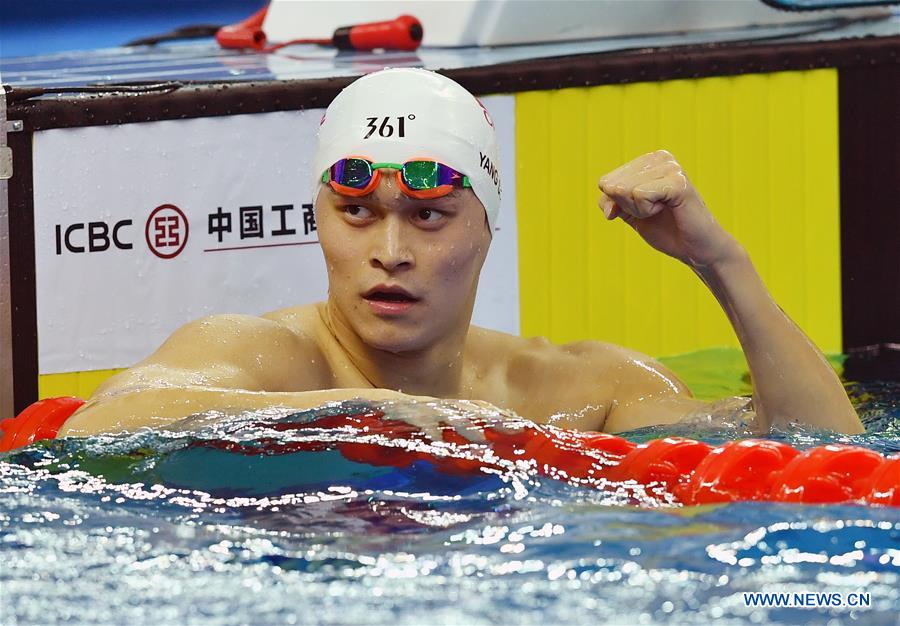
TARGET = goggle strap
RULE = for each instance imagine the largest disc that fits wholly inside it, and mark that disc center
(326, 175)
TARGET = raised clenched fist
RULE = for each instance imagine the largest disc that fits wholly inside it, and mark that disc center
(653, 195)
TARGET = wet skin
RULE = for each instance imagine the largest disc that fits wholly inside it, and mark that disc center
(403, 275)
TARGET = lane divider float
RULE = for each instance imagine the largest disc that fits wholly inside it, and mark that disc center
(692, 471)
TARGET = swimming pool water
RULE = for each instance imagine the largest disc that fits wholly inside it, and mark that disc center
(157, 528)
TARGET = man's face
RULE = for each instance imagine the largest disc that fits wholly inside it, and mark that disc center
(402, 272)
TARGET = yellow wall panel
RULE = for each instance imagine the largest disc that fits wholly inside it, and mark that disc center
(677, 130)
(753, 223)
(78, 384)
(713, 173)
(531, 147)
(605, 251)
(762, 150)
(785, 186)
(821, 193)
(640, 123)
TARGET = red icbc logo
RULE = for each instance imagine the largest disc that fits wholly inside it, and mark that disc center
(166, 231)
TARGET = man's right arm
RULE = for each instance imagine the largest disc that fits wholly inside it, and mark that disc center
(227, 363)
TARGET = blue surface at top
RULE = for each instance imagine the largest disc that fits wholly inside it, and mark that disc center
(40, 27)
(205, 61)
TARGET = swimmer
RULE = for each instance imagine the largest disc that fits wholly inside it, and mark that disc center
(407, 191)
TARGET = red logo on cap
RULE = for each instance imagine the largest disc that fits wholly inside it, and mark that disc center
(486, 116)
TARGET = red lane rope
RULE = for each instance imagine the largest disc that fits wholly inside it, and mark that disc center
(692, 471)
(41, 420)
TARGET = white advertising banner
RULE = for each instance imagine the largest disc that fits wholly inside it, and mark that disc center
(140, 228)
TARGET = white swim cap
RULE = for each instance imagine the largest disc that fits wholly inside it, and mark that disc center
(403, 114)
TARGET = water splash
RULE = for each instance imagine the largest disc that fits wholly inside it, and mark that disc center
(249, 518)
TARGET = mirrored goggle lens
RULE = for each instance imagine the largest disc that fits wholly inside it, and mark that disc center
(422, 174)
(354, 173)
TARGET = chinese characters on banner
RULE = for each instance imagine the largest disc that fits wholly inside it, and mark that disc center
(256, 222)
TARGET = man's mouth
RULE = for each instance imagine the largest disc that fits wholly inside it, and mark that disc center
(390, 300)
(384, 293)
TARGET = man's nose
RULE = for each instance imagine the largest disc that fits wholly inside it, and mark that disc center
(391, 250)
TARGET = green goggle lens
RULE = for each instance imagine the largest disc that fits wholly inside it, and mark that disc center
(421, 174)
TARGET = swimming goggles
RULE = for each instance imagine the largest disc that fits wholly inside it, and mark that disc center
(422, 179)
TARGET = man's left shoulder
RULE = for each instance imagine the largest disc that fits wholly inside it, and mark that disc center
(530, 357)
(638, 373)
(587, 356)
(548, 382)
(500, 349)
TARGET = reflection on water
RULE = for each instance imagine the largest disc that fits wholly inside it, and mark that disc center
(246, 521)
